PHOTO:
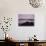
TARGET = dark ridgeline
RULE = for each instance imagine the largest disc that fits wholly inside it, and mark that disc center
(29, 22)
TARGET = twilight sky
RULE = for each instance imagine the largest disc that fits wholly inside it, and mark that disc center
(25, 16)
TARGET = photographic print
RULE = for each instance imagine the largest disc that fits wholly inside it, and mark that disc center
(25, 20)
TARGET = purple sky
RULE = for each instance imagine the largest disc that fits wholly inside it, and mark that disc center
(26, 16)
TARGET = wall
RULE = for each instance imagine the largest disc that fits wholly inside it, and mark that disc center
(45, 29)
(11, 8)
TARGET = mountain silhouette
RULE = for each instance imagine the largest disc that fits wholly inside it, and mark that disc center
(27, 24)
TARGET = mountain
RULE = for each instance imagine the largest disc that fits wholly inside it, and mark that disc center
(27, 24)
